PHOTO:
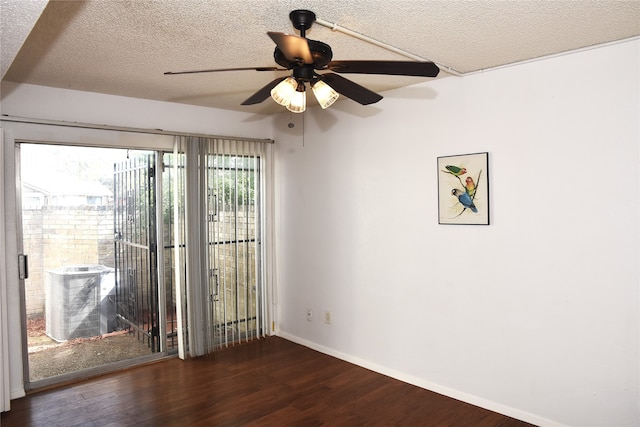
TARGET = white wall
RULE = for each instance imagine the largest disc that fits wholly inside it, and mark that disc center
(41, 102)
(45, 103)
(536, 315)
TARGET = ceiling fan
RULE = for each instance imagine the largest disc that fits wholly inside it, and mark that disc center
(305, 56)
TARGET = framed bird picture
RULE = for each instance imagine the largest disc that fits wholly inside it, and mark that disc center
(463, 189)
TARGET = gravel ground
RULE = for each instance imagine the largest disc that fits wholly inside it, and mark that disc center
(47, 358)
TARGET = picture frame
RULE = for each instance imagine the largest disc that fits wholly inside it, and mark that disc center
(463, 189)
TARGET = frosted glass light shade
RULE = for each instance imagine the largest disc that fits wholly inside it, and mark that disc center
(324, 94)
(298, 102)
(284, 90)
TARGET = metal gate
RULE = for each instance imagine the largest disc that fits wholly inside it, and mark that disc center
(135, 245)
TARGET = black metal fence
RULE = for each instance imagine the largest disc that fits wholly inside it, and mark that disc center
(135, 246)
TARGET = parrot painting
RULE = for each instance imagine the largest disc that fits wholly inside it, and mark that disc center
(464, 199)
(470, 187)
(455, 170)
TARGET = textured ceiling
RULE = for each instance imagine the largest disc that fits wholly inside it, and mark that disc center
(123, 47)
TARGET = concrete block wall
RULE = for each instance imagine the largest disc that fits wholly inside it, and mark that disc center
(55, 237)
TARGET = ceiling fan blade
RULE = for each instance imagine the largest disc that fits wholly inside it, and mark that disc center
(350, 89)
(397, 68)
(295, 49)
(215, 70)
(263, 93)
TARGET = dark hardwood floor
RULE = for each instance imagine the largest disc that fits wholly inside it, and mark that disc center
(268, 382)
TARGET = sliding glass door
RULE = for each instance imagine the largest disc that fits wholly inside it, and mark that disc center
(152, 250)
(89, 231)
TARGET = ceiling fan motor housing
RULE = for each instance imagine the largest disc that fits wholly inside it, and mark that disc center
(320, 52)
(305, 73)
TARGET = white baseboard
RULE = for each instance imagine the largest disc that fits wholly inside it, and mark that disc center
(427, 385)
(17, 393)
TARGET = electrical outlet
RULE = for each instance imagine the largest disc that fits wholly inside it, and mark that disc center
(327, 317)
(309, 315)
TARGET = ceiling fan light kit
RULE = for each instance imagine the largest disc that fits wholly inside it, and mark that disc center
(304, 56)
(284, 90)
(290, 93)
(298, 102)
(324, 93)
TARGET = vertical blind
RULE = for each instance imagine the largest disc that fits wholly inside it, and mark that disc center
(219, 269)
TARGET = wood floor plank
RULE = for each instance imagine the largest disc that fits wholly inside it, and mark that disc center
(266, 382)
